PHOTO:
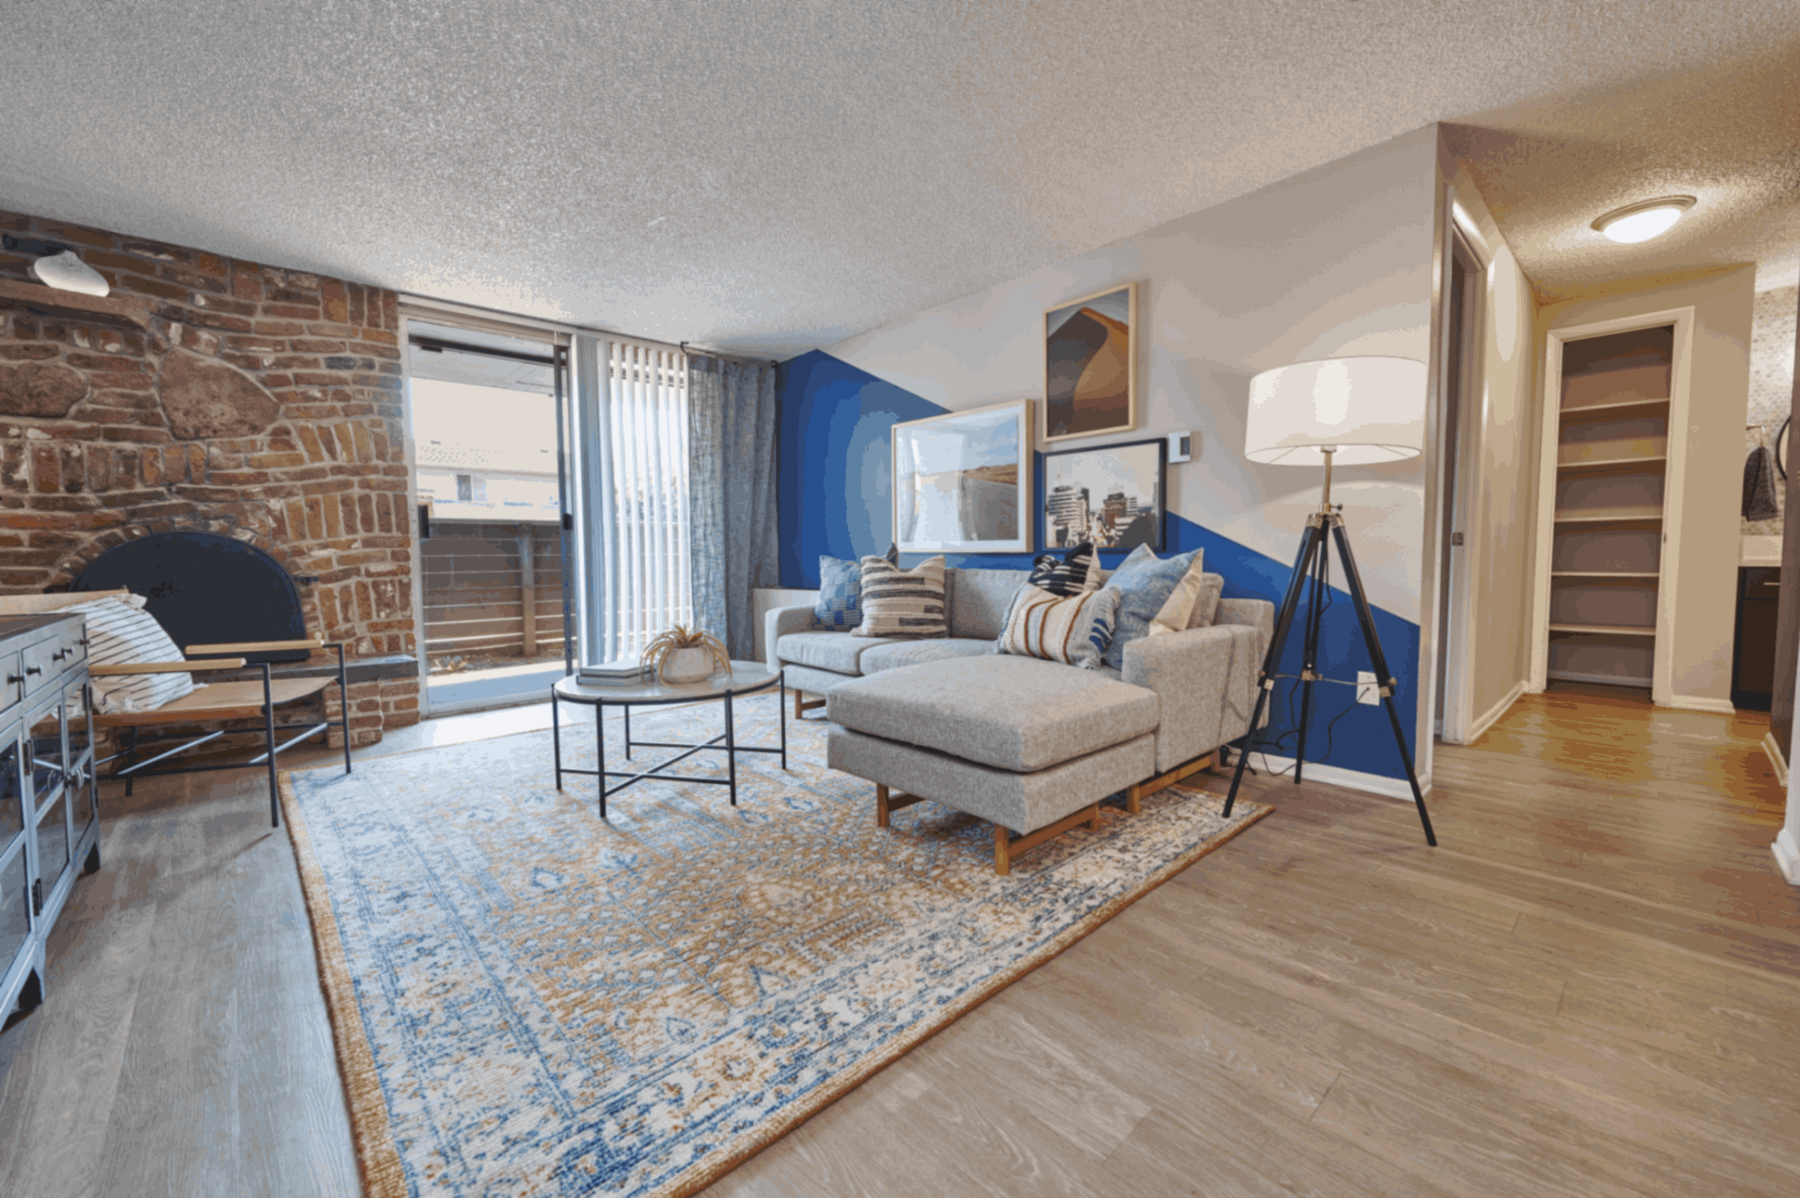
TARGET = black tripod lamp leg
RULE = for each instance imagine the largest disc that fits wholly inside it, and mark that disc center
(1309, 668)
(1284, 620)
(1385, 679)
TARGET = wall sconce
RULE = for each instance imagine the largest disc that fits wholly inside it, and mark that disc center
(59, 266)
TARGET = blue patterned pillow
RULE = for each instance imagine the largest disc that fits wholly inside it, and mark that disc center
(840, 591)
(1144, 582)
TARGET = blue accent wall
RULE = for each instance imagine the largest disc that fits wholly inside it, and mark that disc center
(836, 485)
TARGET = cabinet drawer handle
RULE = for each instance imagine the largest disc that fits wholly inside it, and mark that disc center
(30, 670)
(13, 680)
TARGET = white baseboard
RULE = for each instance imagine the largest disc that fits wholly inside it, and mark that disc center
(1392, 788)
(1787, 855)
(1773, 751)
(1493, 714)
(1701, 703)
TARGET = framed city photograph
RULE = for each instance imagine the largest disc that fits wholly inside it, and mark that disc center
(1090, 365)
(1111, 495)
(962, 481)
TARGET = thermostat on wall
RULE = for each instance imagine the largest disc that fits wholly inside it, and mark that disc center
(1181, 446)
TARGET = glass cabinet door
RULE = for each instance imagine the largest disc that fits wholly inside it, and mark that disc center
(12, 790)
(15, 908)
(84, 798)
(45, 746)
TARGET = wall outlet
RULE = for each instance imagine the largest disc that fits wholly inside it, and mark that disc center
(1366, 690)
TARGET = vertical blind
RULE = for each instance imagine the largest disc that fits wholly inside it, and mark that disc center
(640, 580)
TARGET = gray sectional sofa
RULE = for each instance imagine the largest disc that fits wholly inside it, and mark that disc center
(1203, 679)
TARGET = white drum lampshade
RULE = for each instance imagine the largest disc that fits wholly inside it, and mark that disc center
(1369, 409)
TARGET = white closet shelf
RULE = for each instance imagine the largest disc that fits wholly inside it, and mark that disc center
(1612, 463)
(1630, 574)
(1609, 515)
(1623, 410)
(1608, 629)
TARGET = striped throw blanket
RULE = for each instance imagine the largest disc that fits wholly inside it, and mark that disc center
(1072, 629)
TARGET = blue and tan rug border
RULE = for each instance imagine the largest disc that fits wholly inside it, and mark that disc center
(377, 1158)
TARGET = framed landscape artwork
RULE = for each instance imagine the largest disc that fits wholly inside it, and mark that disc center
(1090, 365)
(961, 481)
(1111, 495)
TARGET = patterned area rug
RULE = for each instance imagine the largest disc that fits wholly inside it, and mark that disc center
(527, 1000)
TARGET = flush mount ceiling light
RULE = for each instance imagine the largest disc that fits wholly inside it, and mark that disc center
(1641, 222)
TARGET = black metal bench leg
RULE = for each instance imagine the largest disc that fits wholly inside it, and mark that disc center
(130, 756)
(269, 736)
(344, 706)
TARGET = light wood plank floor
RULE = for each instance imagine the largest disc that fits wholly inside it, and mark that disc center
(1591, 988)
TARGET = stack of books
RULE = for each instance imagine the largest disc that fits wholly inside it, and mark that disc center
(627, 671)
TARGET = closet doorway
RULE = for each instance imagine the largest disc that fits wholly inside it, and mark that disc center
(1610, 485)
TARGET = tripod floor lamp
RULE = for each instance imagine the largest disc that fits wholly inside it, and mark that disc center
(1351, 412)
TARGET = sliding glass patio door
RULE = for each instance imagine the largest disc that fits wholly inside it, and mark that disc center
(488, 413)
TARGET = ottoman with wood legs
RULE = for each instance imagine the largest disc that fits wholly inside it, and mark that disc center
(1029, 745)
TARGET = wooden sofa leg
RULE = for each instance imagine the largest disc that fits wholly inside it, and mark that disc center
(801, 707)
(887, 802)
(797, 707)
(1134, 794)
(1006, 846)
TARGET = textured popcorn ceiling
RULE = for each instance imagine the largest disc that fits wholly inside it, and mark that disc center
(1726, 133)
(768, 177)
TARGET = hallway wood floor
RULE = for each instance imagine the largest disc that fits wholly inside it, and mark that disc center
(1591, 988)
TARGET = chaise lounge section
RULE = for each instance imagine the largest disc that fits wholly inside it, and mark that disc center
(1029, 744)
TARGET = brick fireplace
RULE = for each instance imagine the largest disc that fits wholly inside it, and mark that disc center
(217, 395)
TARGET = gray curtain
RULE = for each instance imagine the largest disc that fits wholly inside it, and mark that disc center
(731, 472)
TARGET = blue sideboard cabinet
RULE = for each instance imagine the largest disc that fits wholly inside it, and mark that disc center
(49, 803)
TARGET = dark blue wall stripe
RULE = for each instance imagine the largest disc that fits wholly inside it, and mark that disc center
(836, 486)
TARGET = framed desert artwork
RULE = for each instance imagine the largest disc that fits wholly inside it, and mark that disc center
(962, 481)
(1111, 495)
(1090, 365)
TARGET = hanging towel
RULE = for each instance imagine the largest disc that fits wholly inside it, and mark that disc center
(1759, 485)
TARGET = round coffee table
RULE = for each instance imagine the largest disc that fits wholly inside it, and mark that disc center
(745, 678)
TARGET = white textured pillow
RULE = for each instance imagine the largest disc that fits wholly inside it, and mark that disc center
(121, 632)
(1178, 608)
(1206, 607)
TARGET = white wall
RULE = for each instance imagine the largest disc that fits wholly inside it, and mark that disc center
(1333, 262)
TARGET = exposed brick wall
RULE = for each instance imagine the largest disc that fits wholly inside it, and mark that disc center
(227, 396)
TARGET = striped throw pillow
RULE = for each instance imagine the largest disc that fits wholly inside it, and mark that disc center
(121, 632)
(898, 602)
(1071, 574)
(1072, 629)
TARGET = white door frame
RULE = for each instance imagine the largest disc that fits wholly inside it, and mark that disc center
(1454, 641)
(1675, 475)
